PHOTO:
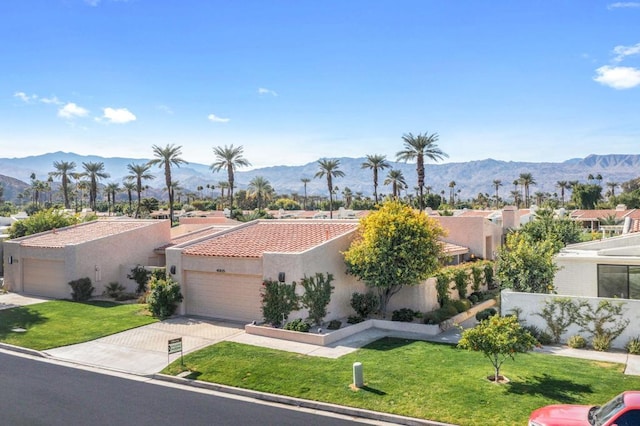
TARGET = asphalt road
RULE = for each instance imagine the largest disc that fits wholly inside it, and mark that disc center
(35, 392)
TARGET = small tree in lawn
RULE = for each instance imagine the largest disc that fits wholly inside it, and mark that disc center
(395, 246)
(498, 338)
(317, 295)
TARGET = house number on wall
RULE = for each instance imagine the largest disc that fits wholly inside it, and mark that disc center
(220, 270)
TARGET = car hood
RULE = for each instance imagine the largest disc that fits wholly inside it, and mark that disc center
(562, 415)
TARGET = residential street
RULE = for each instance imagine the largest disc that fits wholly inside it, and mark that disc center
(35, 392)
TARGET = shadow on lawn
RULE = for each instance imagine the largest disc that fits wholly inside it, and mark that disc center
(21, 317)
(390, 343)
(563, 391)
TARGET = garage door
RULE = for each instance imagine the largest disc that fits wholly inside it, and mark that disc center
(45, 278)
(222, 295)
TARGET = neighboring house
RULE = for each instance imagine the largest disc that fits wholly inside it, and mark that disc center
(221, 275)
(604, 268)
(628, 220)
(44, 263)
(480, 235)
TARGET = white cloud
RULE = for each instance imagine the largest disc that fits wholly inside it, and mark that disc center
(624, 51)
(71, 110)
(216, 119)
(618, 77)
(118, 115)
(53, 100)
(623, 5)
(264, 91)
(24, 97)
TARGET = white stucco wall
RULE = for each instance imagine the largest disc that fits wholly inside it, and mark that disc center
(531, 304)
(472, 232)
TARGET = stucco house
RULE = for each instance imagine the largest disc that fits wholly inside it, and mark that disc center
(44, 263)
(604, 268)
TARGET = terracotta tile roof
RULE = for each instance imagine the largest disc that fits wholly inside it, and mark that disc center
(183, 238)
(270, 236)
(597, 214)
(82, 233)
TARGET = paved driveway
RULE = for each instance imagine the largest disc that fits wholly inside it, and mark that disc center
(12, 300)
(143, 350)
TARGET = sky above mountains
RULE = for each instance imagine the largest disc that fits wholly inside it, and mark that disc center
(296, 80)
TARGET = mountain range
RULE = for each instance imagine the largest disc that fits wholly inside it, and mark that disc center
(470, 178)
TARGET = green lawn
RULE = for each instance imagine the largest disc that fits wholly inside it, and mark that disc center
(415, 378)
(60, 322)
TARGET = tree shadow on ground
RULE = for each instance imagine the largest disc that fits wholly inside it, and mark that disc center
(391, 343)
(563, 391)
(18, 318)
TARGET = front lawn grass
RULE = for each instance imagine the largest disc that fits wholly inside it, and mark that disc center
(415, 378)
(61, 322)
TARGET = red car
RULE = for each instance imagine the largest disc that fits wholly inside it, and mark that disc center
(623, 410)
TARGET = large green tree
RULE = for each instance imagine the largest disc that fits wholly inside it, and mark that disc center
(137, 174)
(417, 148)
(260, 189)
(329, 168)
(165, 158)
(586, 196)
(63, 170)
(376, 163)
(229, 158)
(44, 220)
(395, 247)
(547, 227)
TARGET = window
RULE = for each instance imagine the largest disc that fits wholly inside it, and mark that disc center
(620, 281)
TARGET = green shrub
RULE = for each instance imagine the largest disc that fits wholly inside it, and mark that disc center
(462, 305)
(114, 289)
(443, 280)
(82, 289)
(404, 315)
(278, 301)
(334, 324)
(601, 342)
(473, 299)
(577, 342)
(541, 336)
(163, 298)
(364, 304)
(460, 277)
(449, 310)
(485, 314)
(298, 325)
(488, 274)
(141, 276)
(477, 273)
(633, 346)
(317, 295)
(354, 319)
(432, 318)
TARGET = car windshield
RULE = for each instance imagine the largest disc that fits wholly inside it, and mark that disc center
(600, 415)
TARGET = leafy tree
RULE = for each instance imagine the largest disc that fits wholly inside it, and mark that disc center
(416, 148)
(229, 158)
(330, 169)
(278, 300)
(165, 158)
(395, 246)
(317, 295)
(586, 196)
(63, 170)
(284, 204)
(44, 220)
(526, 265)
(138, 173)
(95, 172)
(546, 227)
(498, 338)
(376, 163)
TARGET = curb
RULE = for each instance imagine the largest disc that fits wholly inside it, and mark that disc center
(22, 350)
(304, 403)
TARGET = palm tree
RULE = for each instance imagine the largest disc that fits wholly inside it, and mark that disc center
(95, 172)
(305, 181)
(63, 170)
(129, 186)
(261, 189)
(229, 157)
(165, 158)
(375, 163)
(396, 179)
(223, 185)
(562, 185)
(347, 194)
(330, 169)
(516, 198)
(452, 192)
(612, 188)
(526, 180)
(416, 148)
(497, 183)
(111, 190)
(138, 173)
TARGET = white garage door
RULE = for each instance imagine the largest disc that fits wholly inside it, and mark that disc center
(45, 278)
(223, 295)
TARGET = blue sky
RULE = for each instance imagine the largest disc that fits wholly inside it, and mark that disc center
(296, 80)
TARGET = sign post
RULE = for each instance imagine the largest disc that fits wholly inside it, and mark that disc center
(175, 345)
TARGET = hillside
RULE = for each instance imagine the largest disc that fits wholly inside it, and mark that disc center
(471, 177)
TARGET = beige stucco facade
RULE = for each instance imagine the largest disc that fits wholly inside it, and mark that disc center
(97, 257)
(480, 235)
